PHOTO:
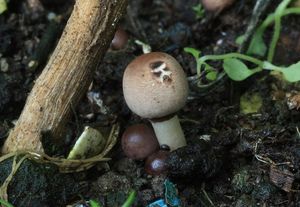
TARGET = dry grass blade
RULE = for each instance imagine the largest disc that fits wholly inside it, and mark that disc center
(65, 165)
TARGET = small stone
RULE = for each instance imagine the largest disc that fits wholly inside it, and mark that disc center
(4, 65)
(51, 16)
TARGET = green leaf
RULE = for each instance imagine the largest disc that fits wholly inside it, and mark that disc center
(240, 39)
(236, 69)
(212, 75)
(130, 199)
(3, 6)
(250, 103)
(94, 203)
(257, 45)
(292, 73)
(196, 53)
(5, 203)
(199, 11)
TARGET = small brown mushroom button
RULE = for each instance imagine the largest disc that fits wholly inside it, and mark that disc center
(139, 141)
(155, 87)
(120, 39)
(156, 163)
(216, 5)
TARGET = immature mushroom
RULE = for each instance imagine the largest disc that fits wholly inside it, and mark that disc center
(156, 163)
(139, 141)
(155, 87)
(120, 39)
(216, 5)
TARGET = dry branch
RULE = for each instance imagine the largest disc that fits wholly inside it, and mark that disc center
(68, 73)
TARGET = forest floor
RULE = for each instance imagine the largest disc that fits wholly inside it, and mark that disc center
(243, 135)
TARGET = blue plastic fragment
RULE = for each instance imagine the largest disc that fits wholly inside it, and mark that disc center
(158, 203)
(171, 194)
(171, 197)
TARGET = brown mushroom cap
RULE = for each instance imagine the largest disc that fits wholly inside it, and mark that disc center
(120, 39)
(156, 163)
(139, 141)
(216, 5)
(155, 85)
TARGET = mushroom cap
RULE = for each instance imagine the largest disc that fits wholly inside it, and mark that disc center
(156, 164)
(216, 5)
(155, 85)
(139, 141)
(120, 39)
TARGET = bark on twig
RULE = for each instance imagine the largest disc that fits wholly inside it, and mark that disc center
(68, 73)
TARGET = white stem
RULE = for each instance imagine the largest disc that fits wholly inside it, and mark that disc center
(169, 132)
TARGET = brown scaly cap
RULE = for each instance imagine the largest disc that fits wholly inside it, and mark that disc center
(155, 85)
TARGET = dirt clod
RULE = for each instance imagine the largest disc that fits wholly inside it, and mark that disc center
(193, 161)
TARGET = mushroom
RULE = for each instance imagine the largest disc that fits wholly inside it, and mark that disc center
(120, 39)
(156, 163)
(139, 141)
(216, 5)
(155, 87)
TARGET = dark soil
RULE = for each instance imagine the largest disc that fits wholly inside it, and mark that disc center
(232, 158)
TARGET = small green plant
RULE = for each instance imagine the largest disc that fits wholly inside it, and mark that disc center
(128, 203)
(236, 69)
(5, 203)
(94, 203)
(3, 6)
(257, 45)
(209, 72)
(199, 11)
(234, 63)
(130, 199)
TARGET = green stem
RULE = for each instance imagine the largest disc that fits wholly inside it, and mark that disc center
(5, 203)
(258, 10)
(257, 69)
(278, 13)
(231, 55)
(269, 66)
(130, 200)
(270, 19)
(275, 38)
(94, 203)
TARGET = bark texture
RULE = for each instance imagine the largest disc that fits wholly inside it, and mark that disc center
(68, 73)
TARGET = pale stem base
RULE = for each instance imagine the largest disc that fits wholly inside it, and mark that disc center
(169, 132)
